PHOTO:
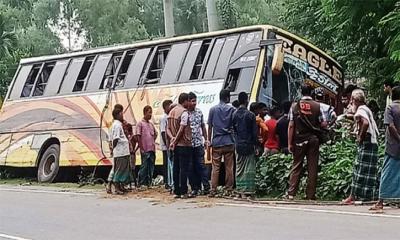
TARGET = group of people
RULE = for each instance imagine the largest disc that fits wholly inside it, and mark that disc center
(238, 134)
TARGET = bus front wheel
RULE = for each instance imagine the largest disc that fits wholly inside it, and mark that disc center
(49, 164)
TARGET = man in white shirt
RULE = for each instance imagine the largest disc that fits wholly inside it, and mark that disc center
(167, 154)
(121, 173)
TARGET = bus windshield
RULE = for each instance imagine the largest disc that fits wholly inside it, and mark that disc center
(289, 64)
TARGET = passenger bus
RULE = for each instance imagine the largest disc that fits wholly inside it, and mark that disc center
(57, 112)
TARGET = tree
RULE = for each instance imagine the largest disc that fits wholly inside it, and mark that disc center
(108, 22)
(8, 40)
(228, 13)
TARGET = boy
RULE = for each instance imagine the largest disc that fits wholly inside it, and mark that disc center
(167, 155)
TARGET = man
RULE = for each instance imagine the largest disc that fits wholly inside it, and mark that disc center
(328, 110)
(304, 117)
(245, 128)
(365, 169)
(220, 131)
(262, 129)
(167, 156)
(120, 173)
(282, 128)
(390, 177)
(387, 88)
(199, 175)
(271, 146)
(146, 135)
(178, 130)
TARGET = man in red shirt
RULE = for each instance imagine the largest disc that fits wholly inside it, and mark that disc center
(272, 144)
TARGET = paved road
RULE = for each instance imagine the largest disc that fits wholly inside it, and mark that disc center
(47, 215)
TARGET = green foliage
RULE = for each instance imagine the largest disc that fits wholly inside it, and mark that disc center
(8, 40)
(228, 13)
(335, 170)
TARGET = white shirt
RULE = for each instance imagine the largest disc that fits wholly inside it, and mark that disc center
(163, 128)
(365, 112)
(117, 132)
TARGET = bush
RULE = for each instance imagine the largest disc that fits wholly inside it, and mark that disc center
(335, 170)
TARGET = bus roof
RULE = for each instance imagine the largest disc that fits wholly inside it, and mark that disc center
(145, 43)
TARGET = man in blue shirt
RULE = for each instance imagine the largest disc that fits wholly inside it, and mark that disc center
(221, 138)
(245, 128)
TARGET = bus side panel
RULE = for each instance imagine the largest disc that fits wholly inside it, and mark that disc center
(4, 144)
(75, 122)
(20, 153)
(207, 96)
(81, 147)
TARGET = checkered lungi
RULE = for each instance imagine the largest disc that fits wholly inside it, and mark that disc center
(364, 184)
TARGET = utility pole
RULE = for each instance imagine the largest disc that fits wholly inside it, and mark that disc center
(169, 18)
(212, 16)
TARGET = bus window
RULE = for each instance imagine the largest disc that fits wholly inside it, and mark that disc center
(157, 65)
(200, 60)
(174, 63)
(136, 67)
(111, 70)
(232, 79)
(19, 81)
(56, 77)
(43, 79)
(95, 79)
(30, 81)
(239, 79)
(83, 74)
(212, 61)
(195, 57)
(120, 81)
(225, 56)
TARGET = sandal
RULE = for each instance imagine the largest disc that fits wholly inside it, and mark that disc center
(376, 208)
(348, 201)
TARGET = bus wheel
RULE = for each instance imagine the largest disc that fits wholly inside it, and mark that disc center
(49, 164)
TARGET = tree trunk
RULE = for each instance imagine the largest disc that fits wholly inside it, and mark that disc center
(212, 16)
(169, 18)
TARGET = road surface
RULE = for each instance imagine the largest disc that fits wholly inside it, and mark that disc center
(41, 214)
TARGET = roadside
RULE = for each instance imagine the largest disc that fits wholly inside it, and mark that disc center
(160, 196)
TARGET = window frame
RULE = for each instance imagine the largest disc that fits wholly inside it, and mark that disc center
(34, 82)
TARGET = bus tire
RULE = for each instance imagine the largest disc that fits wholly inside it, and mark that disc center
(49, 164)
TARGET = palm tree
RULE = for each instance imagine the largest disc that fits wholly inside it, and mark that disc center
(8, 40)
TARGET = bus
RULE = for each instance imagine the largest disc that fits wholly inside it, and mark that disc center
(57, 112)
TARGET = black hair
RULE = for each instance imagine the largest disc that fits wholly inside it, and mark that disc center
(274, 110)
(389, 83)
(224, 95)
(166, 103)
(236, 103)
(349, 89)
(146, 108)
(116, 112)
(396, 93)
(306, 89)
(286, 106)
(118, 106)
(243, 98)
(254, 107)
(192, 95)
(262, 105)
(183, 97)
